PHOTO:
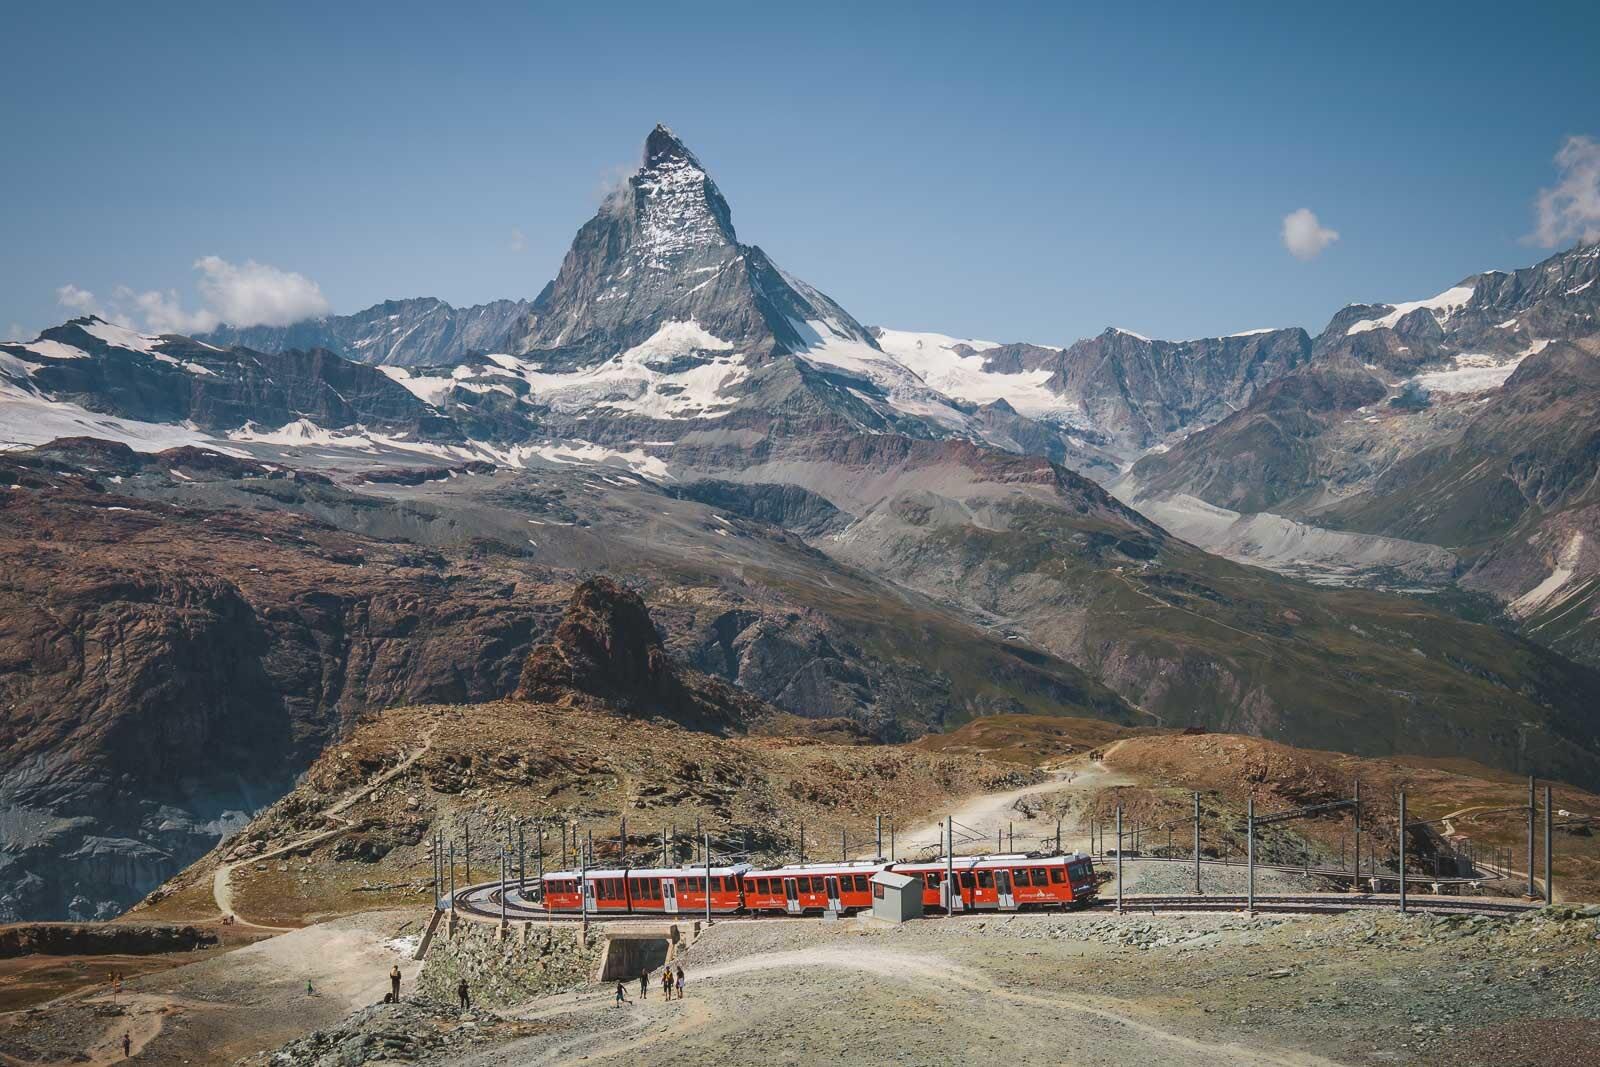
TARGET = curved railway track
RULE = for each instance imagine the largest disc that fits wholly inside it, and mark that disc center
(482, 902)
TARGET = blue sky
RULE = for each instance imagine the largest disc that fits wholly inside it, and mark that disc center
(1011, 172)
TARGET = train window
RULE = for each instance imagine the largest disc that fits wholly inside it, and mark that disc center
(966, 879)
(1041, 877)
(1057, 875)
(985, 880)
(805, 885)
(934, 878)
(861, 883)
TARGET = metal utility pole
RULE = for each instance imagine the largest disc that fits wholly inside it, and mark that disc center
(564, 865)
(1549, 886)
(1197, 843)
(1357, 877)
(1532, 810)
(950, 866)
(505, 861)
(879, 846)
(802, 842)
(583, 892)
(452, 876)
(697, 831)
(707, 846)
(664, 861)
(522, 859)
(1250, 850)
(1058, 837)
(891, 840)
(622, 841)
(844, 845)
(1011, 836)
(998, 846)
(1119, 859)
(539, 855)
(1402, 852)
(466, 848)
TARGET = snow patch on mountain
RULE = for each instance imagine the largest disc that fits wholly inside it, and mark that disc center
(1443, 306)
(681, 371)
(1541, 595)
(27, 419)
(1469, 373)
(933, 358)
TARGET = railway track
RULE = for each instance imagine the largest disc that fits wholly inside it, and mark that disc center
(482, 903)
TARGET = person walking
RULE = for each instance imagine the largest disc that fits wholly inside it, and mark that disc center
(666, 983)
(680, 982)
(394, 982)
(622, 997)
(644, 985)
(127, 1046)
(463, 995)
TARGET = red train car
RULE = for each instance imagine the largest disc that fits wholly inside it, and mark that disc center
(646, 890)
(1006, 882)
(811, 887)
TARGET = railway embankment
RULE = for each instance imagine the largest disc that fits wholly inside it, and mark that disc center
(526, 961)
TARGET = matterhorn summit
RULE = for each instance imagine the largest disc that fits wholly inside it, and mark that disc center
(663, 249)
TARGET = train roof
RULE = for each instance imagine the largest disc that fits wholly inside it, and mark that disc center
(650, 872)
(793, 869)
(1013, 859)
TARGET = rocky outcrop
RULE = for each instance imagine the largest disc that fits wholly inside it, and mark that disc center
(607, 647)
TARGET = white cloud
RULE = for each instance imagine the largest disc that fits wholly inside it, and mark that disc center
(519, 240)
(1304, 236)
(257, 294)
(81, 300)
(1570, 209)
(251, 294)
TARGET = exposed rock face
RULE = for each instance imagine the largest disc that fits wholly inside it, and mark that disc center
(663, 249)
(607, 647)
(166, 670)
(1139, 391)
(405, 333)
(1267, 453)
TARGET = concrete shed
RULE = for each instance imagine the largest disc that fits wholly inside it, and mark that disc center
(896, 897)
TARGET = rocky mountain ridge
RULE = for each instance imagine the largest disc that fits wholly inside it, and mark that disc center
(407, 333)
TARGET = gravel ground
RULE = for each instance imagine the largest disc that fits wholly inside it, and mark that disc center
(1206, 989)
(1149, 876)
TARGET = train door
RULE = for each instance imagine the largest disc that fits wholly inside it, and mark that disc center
(1002, 888)
(791, 896)
(669, 895)
(834, 903)
(588, 894)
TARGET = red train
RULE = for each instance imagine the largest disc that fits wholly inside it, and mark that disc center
(992, 883)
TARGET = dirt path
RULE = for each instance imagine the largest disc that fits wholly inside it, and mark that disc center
(987, 813)
(222, 880)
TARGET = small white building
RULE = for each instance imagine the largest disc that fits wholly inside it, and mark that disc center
(896, 897)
